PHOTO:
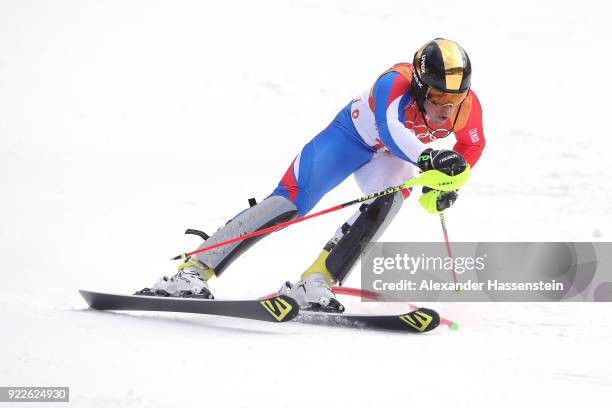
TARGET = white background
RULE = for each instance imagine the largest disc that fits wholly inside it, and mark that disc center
(124, 122)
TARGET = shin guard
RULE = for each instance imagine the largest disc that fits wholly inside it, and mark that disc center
(271, 211)
(353, 239)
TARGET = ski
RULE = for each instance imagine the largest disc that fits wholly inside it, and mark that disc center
(276, 309)
(418, 321)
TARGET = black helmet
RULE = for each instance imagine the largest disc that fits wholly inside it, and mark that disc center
(443, 65)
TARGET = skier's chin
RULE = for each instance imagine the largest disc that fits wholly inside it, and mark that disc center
(439, 120)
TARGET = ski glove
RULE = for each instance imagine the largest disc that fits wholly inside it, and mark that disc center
(448, 162)
(436, 201)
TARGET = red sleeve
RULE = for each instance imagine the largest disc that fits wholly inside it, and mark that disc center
(470, 138)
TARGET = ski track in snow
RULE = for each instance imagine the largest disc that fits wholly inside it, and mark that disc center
(123, 123)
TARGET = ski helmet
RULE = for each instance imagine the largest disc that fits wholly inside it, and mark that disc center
(443, 65)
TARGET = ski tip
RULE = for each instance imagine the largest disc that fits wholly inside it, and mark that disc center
(454, 326)
(97, 300)
(87, 296)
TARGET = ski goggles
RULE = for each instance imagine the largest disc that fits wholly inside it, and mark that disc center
(444, 98)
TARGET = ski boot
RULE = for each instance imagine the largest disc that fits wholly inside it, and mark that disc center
(313, 291)
(189, 281)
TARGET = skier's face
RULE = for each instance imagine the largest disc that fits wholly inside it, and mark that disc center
(440, 106)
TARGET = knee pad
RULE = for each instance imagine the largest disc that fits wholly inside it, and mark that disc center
(271, 211)
(356, 238)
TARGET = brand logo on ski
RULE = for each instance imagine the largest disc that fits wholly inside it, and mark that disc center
(278, 307)
(419, 320)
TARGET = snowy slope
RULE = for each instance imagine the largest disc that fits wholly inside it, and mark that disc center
(124, 122)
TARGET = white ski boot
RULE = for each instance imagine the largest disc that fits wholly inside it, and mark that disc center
(313, 292)
(189, 281)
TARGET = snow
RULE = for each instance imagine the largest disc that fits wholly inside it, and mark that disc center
(124, 122)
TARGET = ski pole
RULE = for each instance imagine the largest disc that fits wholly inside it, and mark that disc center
(448, 248)
(431, 178)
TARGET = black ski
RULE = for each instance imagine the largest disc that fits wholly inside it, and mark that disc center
(418, 321)
(276, 309)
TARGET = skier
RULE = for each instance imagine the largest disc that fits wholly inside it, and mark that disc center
(379, 138)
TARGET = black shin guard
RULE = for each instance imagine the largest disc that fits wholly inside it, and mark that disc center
(371, 223)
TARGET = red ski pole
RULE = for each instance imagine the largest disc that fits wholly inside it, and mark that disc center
(294, 221)
(431, 178)
(448, 248)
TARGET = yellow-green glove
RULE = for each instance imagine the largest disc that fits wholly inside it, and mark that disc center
(436, 201)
